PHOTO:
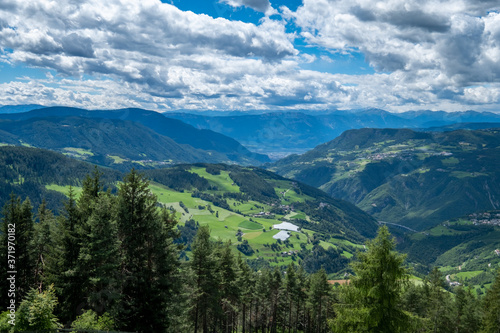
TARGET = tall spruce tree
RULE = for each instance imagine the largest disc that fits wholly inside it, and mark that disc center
(42, 242)
(24, 249)
(149, 259)
(439, 306)
(98, 261)
(62, 260)
(245, 281)
(319, 301)
(372, 302)
(205, 296)
(228, 287)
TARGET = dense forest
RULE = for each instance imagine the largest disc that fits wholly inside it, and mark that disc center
(111, 261)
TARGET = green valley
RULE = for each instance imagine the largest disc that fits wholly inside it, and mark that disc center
(244, 205)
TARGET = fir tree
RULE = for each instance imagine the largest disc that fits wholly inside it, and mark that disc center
(319, 300)
(373, 298)
(438, 303)
(149, 259)
(62, 260)
(205, 291)
(24, 250)
(98, 260)
(42, 242)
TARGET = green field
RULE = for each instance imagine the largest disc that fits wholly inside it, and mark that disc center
(240, 220)
(64, 189)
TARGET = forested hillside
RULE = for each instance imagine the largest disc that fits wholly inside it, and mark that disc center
(401, 176)
(244, 205)
(111, 262)
(93, 127)
(32, 172)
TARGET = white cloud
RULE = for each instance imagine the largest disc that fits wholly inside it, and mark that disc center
(444, 45)
(258, 5)
(440, 54)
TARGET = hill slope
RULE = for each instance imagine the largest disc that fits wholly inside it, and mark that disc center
(467, 249)
(413, 178)
(178, 131)
(31, 172)
(116, 143)
(243, 204)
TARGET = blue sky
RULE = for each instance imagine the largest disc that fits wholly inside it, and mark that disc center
(251, 54)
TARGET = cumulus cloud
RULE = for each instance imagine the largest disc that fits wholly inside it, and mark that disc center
(258, 5)
(440, 54)
(457, 39)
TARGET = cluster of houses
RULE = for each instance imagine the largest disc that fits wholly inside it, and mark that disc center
(289, 253)
(485, 218)
(264, 214)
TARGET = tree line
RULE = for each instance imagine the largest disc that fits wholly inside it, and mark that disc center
(111, 262)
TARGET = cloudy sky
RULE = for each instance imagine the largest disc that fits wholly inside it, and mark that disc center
(251, 54)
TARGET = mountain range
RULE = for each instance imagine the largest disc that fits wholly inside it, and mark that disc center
(281, 133)
(132, 135)
(418, 179)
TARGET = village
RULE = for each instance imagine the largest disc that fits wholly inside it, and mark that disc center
(486, 218)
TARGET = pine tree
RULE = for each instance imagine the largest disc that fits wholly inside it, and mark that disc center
(206, 289)
(275, 295)
(245, 281)
(91, 187)
(25, 261)
(62, 260)
(292, 291)
(149, 259)
(491, 319)
(373, 298)
(467, 316)
(438, 303)
(319, 300)
(42, 242)
(228, 287)
(98, 260)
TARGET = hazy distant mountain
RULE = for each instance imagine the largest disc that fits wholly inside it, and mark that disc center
(300, 131)
(178, 131)
(19, 108)
(398, 175)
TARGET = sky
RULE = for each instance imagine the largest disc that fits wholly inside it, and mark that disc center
(251, 54)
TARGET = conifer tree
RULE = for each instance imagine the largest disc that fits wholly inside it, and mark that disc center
(438, 303)
(228, 287)
(91, 187)
(371, 302)
(205, 292)
(24, 249)
(319, 300)
(466, 311)
(291, 288)
(42, 242)
(275, 295)
(149, 259)
(246, 281)
(62, 260)
(491, 319)
(98, 260)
